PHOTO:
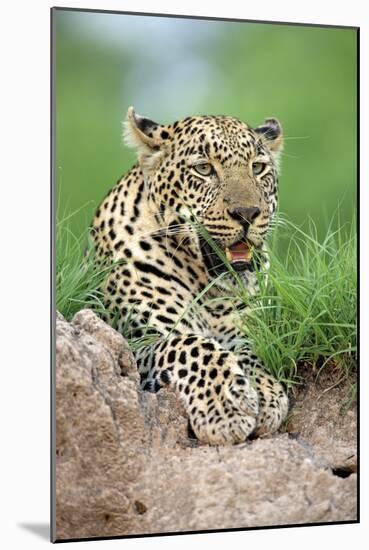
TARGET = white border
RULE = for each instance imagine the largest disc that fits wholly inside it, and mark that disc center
(25, 267)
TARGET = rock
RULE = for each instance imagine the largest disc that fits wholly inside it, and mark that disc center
(324, 416)
(126, 465)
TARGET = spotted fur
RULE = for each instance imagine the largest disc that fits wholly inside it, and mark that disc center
(218, 173)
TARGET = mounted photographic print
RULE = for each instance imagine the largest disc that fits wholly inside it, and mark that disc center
(205, 276)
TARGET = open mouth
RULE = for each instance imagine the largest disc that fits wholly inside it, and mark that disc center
(239, 252)
(240, 255)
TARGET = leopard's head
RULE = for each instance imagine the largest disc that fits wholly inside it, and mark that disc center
(215, 171)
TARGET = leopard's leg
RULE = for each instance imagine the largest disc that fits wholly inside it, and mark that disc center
(273, 400)
(222, 404)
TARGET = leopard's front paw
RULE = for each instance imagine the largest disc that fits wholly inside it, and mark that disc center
(273, 402)
(225, 411)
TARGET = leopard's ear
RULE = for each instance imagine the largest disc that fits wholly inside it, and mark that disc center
(271, 134)
(143, 134)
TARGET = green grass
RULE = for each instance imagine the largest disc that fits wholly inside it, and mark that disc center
(305, 311)
(78, 276)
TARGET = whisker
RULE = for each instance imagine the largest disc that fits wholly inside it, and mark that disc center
(296, 137)
(172, 229)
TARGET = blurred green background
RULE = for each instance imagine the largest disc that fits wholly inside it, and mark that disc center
(170, 68)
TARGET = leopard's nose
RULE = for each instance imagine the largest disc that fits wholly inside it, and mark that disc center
(244, 215)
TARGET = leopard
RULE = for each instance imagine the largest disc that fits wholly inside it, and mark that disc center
(180, 230)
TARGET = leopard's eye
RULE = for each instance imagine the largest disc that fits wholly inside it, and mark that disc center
(258, 168)
(203, 168)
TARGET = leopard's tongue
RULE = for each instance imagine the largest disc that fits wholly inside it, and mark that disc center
(239, 252)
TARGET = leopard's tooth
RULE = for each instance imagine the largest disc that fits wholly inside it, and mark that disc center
(249, 253)
(228, 254)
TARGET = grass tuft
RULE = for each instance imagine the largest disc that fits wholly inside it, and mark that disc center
(306, 309)
(79, 277)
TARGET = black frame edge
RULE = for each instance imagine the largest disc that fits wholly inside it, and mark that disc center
(203, 17)
(53, 280)
(358, 264)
